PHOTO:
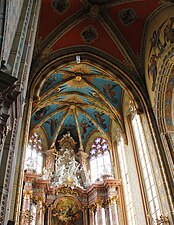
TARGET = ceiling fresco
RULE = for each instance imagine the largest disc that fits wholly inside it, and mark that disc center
(80, 99)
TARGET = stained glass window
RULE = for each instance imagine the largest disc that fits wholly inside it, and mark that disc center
(100, 162)
(34, 155)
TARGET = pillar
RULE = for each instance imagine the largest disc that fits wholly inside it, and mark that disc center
(49, 216)
(85, 215)
(108, 216)
(91, 215)
(100, 212)
(40, 212)
(113, 211)
(26, 205)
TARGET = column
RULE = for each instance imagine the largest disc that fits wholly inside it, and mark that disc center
(49, 216)
(85, 215)
(113, 210)
(108, 216)
(40, 212)
(100, 212)
(26, 214)
(91, 215)
(8, 94)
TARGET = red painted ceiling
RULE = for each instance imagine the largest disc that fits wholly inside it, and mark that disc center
(114, 37)
(73, 38)
(50, 19)
(134, 31)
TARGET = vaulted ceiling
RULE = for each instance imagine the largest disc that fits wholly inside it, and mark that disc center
(78, 96)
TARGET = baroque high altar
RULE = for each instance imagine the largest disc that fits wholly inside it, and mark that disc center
(64, 194)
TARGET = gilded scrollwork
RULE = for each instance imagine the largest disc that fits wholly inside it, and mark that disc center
(99, 203)
(66, 190)
(161, 220)
(28, 193)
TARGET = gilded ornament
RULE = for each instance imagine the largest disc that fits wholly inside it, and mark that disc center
(66, 190)
(28, 193)
(99, 203)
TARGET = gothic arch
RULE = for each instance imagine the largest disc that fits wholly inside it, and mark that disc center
(164, 104)
(130, 82)
(95, 57)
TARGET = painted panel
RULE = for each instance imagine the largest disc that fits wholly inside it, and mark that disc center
(111, 90)
(86, 126)
(160, 43)
(69, 125)
(67, 212)
(100, 118)
(52, 124)
(42, 113)
(54, 79)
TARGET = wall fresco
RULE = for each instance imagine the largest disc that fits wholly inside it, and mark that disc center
(161, 38)
(169, 102)
(51, 124)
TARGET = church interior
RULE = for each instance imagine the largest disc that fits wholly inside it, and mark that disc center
(86, 112)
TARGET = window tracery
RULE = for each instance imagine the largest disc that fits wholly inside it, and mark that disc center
(100, 162)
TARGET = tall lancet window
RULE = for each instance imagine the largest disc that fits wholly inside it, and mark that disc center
(100, 161)
(126, 182)
(34, 154)
(146, 167)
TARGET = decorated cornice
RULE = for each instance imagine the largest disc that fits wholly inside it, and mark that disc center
(8, 89)
(66, 191)
(6, 81)
(30, 176)
(8, 94)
